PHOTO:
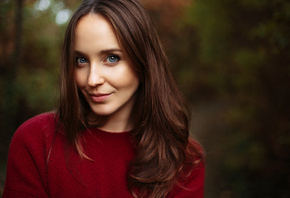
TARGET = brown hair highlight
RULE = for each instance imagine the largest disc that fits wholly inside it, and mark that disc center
(161, 132)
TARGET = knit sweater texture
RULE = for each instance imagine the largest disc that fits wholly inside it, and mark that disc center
(41, 164)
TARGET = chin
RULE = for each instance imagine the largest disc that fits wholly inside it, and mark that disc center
(103, 111)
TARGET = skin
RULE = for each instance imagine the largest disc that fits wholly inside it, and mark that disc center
(103, 74)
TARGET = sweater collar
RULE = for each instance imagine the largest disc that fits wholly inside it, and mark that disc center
(116, 140)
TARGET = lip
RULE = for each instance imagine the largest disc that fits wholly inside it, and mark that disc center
(100, 97)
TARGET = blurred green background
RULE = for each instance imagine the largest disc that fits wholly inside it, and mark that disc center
(231, 59)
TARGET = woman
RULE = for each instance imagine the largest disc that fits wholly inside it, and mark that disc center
(121, 129)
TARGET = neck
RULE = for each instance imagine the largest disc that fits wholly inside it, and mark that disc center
(112, 123)
(116, 125)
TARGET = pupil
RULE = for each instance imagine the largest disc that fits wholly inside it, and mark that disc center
(112, 59)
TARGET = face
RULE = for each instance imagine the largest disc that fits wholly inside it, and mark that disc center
(103, 74)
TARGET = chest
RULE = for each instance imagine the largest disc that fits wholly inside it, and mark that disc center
(104, 175)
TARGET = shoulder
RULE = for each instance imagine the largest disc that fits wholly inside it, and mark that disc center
(197, 162)
(40, 126)
(191, 179)
(191, 185)
(196, 147)
(28, 152)
(39, 120)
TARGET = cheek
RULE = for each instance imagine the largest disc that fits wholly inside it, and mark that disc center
(80, 77)
(131, 83)
(125, 78)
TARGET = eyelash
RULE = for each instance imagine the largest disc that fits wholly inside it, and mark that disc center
(116, 58)
(78, 59)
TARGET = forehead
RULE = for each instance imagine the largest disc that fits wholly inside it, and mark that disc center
(95, 21)
(94, 30)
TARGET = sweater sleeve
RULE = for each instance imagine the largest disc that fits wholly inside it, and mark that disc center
(25, 176)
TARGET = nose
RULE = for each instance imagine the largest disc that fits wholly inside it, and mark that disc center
(95, 77)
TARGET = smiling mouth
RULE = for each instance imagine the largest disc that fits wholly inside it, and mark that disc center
(99, 97)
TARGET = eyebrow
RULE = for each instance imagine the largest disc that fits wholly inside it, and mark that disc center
(106, 51)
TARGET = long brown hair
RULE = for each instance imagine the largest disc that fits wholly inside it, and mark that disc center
(162, 122)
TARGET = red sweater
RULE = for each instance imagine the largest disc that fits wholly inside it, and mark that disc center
(40, 164)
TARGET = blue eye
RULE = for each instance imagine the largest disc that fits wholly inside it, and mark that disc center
(112, 59)
(81, 60)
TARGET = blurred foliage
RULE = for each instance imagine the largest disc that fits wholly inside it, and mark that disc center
(243, 56)
(234, 53)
